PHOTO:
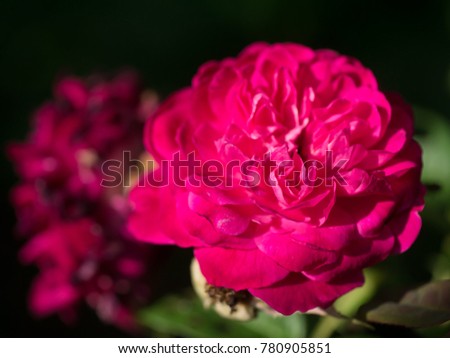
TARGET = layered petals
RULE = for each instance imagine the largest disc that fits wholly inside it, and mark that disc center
(316, 176)
(71, 201)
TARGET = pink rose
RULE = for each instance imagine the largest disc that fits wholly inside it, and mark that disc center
(331, 185)
(75, 226)
(80, 261)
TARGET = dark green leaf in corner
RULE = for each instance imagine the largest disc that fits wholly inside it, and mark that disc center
(185, 317)
(427, 306)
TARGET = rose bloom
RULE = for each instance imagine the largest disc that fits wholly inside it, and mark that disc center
(75, 226)
(295, 247)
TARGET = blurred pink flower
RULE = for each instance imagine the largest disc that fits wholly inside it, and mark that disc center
(76, 226)
(300, 246)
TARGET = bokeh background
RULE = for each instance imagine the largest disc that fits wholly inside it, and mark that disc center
(406, 45)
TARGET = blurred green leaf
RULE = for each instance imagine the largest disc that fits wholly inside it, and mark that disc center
(427, 306)
(186, 317)
(434, 295)
(407, 316)
(440, 263)
(278, 327)
(434, 138)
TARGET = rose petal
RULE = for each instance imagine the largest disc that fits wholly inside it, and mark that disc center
(296, 293)
(294, 255)
(238, 269)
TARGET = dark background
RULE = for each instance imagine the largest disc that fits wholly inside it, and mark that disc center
(406, 45)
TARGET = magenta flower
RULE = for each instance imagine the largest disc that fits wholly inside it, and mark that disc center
(76, 226)
(327, 180)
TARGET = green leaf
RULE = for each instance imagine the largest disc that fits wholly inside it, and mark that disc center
(427, 306)
(185, 316)
(440, 263)
(434, 138)
(434, 295)
(407, 316)
(293, 326)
